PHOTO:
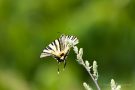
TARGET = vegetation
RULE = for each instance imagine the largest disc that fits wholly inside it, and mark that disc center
(105, 28)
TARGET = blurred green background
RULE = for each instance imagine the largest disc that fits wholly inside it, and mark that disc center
(105, 28)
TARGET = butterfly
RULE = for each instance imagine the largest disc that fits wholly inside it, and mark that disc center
(59, 48)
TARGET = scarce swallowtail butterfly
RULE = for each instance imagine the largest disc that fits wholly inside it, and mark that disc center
(59, 48)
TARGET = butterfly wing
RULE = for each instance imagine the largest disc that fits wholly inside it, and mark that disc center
(51, 49)
(66, 40)
(59, 46)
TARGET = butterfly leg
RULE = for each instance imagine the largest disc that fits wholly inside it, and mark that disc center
(58, 67)
(64, 65)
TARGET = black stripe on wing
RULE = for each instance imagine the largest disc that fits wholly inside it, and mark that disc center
(49, 48)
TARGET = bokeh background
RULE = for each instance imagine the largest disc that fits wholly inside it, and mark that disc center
(105, 28)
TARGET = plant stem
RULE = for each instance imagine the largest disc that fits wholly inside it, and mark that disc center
(95, 81)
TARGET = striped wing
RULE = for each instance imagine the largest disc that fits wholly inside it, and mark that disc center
(59, 46)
